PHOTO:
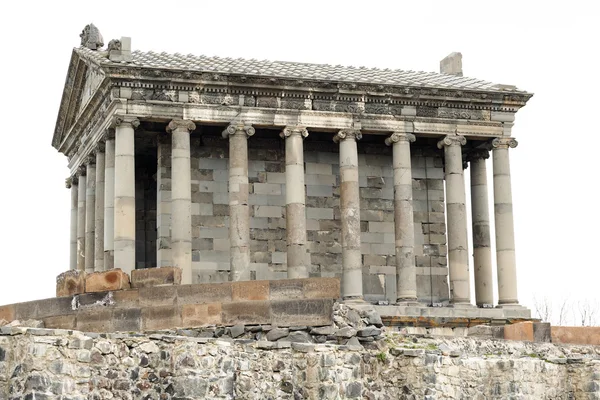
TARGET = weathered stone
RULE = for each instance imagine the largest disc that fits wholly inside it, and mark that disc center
(277, 333)
(111, 280)
(148, 277)
(237, 330)
(346, 332)
(298, 337)
(369, 331)
(542, 332)
(323, 330)
(70, 283)
(519, 331)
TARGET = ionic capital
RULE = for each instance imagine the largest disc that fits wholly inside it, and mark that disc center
(452, 140)
(293, 130)
(70, 181)
(504, 143)
(478, 154)
(100, 148)
(81, 170)
(238, 129)
(181, 124)
(90, 159)
(126, 119)
(345, 134)
(400, 137)
(109, 134)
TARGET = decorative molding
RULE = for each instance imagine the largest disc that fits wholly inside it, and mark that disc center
(238, 128)
(504, 143)
(294, 130)
(69, 182)
(91, 37)
(181, 124)
(400, 137)
(126, 119)
(452, 140)
(345, 134)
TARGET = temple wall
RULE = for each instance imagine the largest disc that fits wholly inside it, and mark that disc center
(210, 210)
(60, 364)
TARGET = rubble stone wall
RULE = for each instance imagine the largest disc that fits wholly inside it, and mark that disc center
(60, 364)
(210, 210)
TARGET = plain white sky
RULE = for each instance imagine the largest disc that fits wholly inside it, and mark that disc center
(548, 48)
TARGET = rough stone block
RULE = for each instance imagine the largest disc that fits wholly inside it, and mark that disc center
(519, 331)
(52, 307)
(70, 283)
(246, 312)
(193, 315)
(114, 279)
(158, 296)
(250, 290)
(322, 288)
(286, 289)
(576, 334)
(127, 320)
(166, 317)
(7, 312)
(95, 321)
(301, 312)
(204, 293)
(126, 298)
(155, 277)
(542, 332)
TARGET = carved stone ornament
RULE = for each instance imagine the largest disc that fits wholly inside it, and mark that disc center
(181, 124)
(293, 130)
(234, 129)
(91, 37)
(478, 154)
(123, 119)
(345, 134)
(114, 44)
(69, 182)
(100, 148)
(504, 143)
(90, 159)
(81, 170)
(400, 137)
(452, 140)
(109, 134)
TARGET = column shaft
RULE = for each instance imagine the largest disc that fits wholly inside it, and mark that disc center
(99, 212)
(124, 238)
(90, 220)
(295, 202)
(109, 203)
(239, 213)
(181, 197)
(503, 218)
(352, 285)
(480, 216)
(406, 271)
(81, 221)
(74, 187)
(458, 255)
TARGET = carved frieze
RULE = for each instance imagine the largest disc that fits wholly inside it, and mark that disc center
(164, 95)
(267, 102)
(455, 113)
(428, 112)
(377, 108)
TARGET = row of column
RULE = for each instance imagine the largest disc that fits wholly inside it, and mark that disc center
(103, 210)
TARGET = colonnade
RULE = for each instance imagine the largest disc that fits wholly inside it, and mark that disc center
(102, 234)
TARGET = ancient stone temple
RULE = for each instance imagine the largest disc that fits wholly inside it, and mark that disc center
(239, 170)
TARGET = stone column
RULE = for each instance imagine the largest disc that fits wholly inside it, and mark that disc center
(458, 253)
(109, 200)
(71, 183)
(406, 271)
(181, 197)
(90, 211)
(480, 216)
(99, 212)
(124, 238)
(239, 213)
(352, 285)
(295, 201)
(163, 201)
(81, 219)
(503, 218)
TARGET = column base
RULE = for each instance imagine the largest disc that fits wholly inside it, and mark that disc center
(461, 305)
(510, 306)
(407, 302)
(353, 299)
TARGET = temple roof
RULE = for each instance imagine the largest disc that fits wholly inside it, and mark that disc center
(301, 71)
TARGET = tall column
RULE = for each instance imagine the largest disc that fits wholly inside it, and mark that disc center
(503, 218)
(352, 285)
(124, 238)
(181, 197)
(99, 212)
(480, 216)
(458, 253)
(90, 210)
(109, 200)
(163, 201)
(71, 183)
(81, 219)
(406, 271)
(239, 213)
(295, 200)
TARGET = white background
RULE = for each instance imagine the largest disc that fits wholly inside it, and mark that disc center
(548, 48)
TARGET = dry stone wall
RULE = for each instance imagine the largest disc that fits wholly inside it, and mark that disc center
(51, 364)
(210, 210)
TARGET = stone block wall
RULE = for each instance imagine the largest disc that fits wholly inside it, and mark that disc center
(210, 210)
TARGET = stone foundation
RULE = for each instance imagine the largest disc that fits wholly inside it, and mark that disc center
(60, 364)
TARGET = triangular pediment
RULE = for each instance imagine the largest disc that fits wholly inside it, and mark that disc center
(83, 79)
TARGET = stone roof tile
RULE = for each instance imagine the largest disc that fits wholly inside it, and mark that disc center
(286, 69)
